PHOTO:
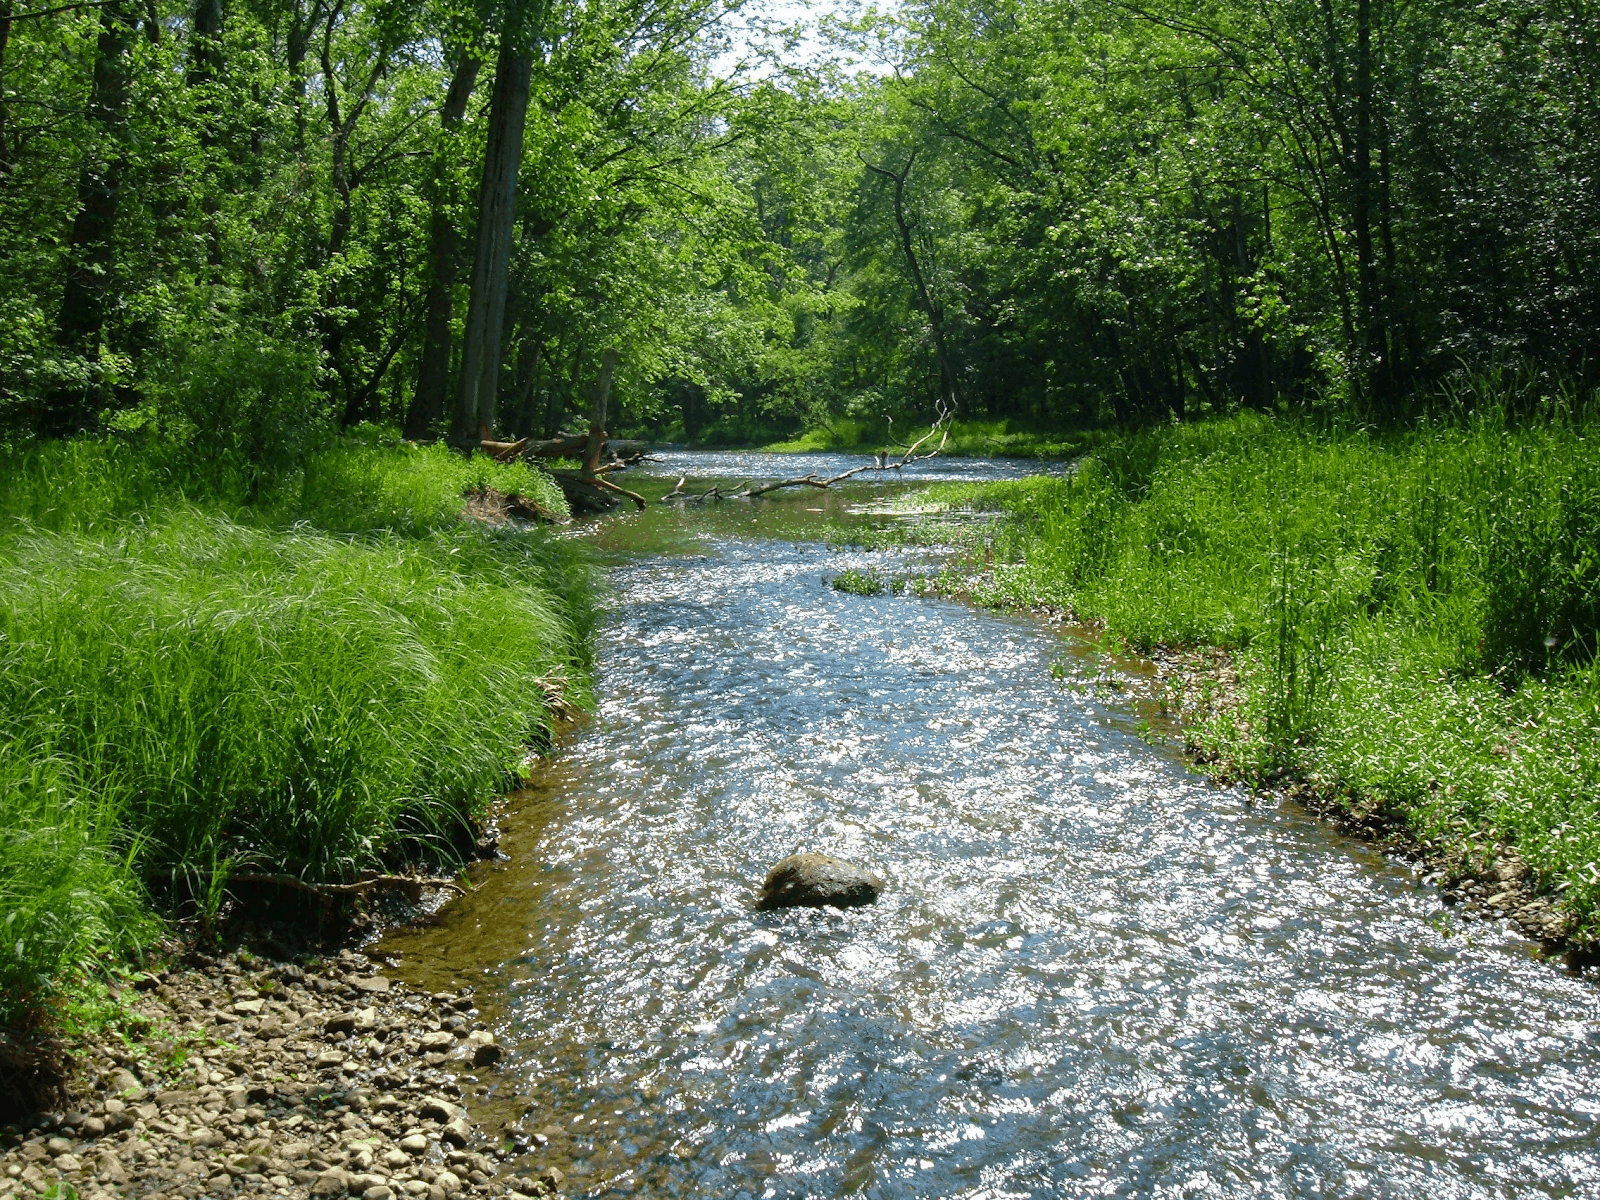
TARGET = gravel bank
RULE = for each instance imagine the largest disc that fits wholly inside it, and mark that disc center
(274, 1080)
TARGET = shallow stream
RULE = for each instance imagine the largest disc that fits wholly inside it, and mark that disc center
(1092, 973)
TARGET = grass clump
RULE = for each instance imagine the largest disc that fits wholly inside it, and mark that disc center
(197, 684)
(859, 583)
(1414, 614)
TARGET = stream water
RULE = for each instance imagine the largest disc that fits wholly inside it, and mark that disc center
(1092, 972)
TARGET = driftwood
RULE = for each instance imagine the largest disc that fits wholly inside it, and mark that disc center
(565, 445)
(592, 493)
(750, 489)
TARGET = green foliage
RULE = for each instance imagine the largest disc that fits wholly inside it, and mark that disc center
(1389, 598)
(291, 701)
(186, 694)
(356, 484)
(859, 583)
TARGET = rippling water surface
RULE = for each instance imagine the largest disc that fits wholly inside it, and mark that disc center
(1092, 972)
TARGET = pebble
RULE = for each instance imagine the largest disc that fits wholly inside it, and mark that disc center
(336, 1083)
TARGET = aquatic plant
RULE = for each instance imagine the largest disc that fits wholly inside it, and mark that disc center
(859, 583)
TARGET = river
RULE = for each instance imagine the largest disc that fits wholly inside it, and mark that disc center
(1093, 972)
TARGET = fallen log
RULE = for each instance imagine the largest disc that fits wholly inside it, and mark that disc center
(881, 463)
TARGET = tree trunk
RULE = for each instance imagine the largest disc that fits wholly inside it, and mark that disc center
(1374, 355)
(934, 312)
(556, 411)
(597, 412)
(530, 358)
(91, 257)
(6, 13)
(444, 250)
(480, 356)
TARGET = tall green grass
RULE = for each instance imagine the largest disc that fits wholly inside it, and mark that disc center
(336, 677)
(1415, 614)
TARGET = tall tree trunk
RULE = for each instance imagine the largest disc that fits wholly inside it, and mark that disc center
(90, 259)
(934, 312)
(1374, 349)
(556, 411)
(205, 65)
(6, 13)
(502, 160)
(530, 357)
(597, 412)
(444, 252)
(205, 47)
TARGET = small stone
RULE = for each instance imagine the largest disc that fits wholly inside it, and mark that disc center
(415, 1187)
(396, 1159)
(329, 1058)
(439, 1040)
(456, 1132)
(380, 1192)
(68, 1162)
(91, 1127)
(372, 985)
(332, 1182)
(340, 1024)
(437, 1108)
(57, 1146)
(109, 1168)
(449, 1182)
(249, 1008)
(363, 1182)
(551, 1176)
(414, 1143)
(487, 1054)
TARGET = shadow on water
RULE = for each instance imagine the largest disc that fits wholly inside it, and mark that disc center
(1092, 973)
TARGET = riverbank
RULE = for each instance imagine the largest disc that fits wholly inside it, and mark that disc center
(1410, 619)
(968, 438)
(298, 690)
(236, 1075)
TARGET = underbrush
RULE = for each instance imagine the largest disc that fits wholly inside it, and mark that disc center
(333, 676)
(1414, 615)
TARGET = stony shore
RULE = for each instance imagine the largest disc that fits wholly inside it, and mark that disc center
(275, 1080)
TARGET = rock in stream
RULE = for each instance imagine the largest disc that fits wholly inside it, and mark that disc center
(815, 880)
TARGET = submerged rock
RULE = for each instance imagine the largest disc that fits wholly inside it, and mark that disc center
(815, 880)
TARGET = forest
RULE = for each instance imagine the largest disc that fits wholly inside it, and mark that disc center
(270, 266)
(241, 226)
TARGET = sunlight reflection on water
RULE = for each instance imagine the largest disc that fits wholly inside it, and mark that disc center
(1092, 972)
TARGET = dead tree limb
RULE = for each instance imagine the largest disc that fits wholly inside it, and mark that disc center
(940, 426)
